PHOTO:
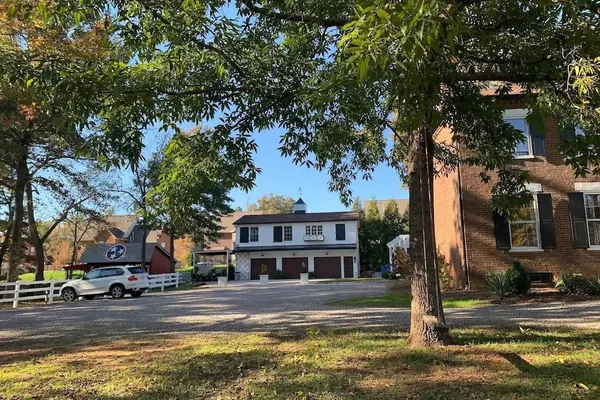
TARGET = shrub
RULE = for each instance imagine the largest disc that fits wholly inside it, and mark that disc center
(518, 278)
(277, 274)
(389, 275)
(579, 285)
(311, 275)
(366, 274)
(444, 273)
(499, 284)
(401, 263)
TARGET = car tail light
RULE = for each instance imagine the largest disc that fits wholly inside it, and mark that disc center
(132, 278)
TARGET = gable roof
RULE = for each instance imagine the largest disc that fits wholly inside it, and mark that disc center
(291, 218)
(96, 253)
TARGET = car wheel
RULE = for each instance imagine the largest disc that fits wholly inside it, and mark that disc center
(89, 297)
(69, 294)
(137, 293)
(117, 291)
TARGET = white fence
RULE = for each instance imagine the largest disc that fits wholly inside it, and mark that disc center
(15, 292)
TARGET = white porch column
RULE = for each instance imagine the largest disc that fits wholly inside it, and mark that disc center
(278, 263)
(342, 266)
(311, 263)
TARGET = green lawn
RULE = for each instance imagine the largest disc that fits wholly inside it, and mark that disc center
(331, 365)
(184, 269)
(57, 275)
(402, 300)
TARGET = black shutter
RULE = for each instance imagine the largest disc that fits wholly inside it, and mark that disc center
(244, 234)
(340, 231)
(502, 231)
(546, 221)
(578, 221)
(538, 138)
(278, 234)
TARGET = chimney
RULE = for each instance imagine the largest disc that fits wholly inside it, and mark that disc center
(300, 206)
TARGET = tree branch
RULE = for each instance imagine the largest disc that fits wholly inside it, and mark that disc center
(324, 22)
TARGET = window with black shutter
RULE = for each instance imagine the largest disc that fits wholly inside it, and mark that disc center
(244, 234)
(277, 234)
(538, 137)
(547, 234)
(340, 231)
(502, 231)
(578, 221)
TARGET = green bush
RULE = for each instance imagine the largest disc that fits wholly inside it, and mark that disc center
(389, 275)
(579, 285)
(510, 282)
(499, 284)
(518, 278)
(311, 275)
(446, 280)
(277, 274)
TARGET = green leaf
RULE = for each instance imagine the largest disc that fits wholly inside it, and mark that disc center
(11, 11)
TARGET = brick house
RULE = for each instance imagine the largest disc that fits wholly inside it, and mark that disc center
(558, 233)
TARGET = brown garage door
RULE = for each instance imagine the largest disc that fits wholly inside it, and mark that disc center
(292, 267)
(327, 267)
(256, 267)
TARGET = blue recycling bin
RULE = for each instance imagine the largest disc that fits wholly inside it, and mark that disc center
(386, 268)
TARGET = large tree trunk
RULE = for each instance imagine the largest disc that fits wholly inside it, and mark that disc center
(144, 235)
(5, 243)
(75, 241)
(427, 325)
(172, 248)
(16, 244)
(34, 235)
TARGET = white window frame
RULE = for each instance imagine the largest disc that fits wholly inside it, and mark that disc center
(314, 229)
(520, 113)
(288, 233)
(587, 220)
(253, 234)
(537, 228)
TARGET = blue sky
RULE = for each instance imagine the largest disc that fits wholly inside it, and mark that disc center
(281, 176)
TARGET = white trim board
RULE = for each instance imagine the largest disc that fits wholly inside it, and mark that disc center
(589, 187)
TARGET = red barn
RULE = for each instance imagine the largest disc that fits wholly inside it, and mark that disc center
(104, 255)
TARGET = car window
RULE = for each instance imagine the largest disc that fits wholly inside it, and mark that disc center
(136, 270)
(111, 272)
(93, 274)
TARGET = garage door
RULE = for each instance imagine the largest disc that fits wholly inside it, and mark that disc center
(256, 267)
(327, 267)
(292, 267)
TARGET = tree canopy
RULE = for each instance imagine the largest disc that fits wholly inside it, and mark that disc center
(338, 77)
(273, 204)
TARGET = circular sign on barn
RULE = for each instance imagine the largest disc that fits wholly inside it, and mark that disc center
(116, 252)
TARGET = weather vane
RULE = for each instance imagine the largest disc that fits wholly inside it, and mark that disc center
(300, 192)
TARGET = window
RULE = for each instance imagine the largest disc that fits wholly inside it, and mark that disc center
(340, 231)
(314, 229)
(592, 215)
(108, 272)
(524, 228)
(534, 142)
(287, 233)
(136, 270)
(254, 233)
(94, 274)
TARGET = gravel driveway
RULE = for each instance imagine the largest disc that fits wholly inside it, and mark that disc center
(281, 306)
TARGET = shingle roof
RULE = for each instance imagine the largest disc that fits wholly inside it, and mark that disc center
(307, 217)
(300, 201)
(96, 253)
(227, 221)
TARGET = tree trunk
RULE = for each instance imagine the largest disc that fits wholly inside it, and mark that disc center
(427, 325)
(4, 247)
(172, 248)
(16, 244)
(144, 234)
(75, 241)
(34, 235)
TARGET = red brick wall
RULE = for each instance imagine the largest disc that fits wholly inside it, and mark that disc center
(446, 203)
(557, 179)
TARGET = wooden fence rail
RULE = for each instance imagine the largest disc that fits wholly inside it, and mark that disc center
(15, 292)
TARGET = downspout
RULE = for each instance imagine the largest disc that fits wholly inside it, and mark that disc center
(462, 228)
